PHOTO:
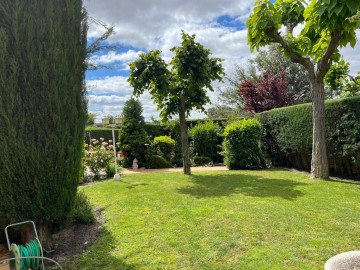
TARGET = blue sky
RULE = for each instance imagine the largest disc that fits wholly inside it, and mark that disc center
(143, 25)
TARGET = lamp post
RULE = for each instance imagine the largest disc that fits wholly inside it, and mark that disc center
(116, 176)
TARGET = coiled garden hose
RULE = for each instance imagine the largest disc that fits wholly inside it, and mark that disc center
(30, 255)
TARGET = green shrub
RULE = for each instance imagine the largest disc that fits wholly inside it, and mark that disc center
(158, 162)
(164, 146)
(82, 211)
(201, 161)
(173, 129)
(242, 145)
(206, 136)
(110, 170)
(287, 139)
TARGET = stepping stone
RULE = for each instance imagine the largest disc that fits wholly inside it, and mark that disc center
(344, 261)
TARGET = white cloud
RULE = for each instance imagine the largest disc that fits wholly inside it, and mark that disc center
(140, 22)
(157, 24)
(353, 55)
(108, 85)
(112, 57)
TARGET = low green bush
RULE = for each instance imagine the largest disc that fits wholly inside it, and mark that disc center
(241, 146)
(201, 161)
(82, 211)
(158, 162)
(164, 146)
(110, 170)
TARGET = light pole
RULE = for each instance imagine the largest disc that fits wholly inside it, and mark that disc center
(116, 176)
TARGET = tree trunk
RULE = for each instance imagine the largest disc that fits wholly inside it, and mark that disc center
(44, 232)
(319, 161)
(184, 139)
(27, 234)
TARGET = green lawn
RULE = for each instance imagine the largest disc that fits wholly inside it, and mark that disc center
(272, 219)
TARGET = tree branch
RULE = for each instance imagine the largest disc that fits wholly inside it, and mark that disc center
(325, 61)
(293, 56)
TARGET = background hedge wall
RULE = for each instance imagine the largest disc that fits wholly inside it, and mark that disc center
(287, 137)
(97, 133)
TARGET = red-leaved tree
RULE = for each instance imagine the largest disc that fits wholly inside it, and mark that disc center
(267, 93)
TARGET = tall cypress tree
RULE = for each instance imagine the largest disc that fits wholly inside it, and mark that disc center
(132, 134)
(42, 108)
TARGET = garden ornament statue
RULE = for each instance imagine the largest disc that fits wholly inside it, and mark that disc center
(135, 164)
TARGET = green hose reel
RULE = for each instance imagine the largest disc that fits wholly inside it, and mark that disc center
(27, 256)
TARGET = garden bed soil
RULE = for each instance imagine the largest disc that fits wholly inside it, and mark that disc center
(76, 239)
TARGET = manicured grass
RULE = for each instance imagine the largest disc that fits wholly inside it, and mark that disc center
(272, 219)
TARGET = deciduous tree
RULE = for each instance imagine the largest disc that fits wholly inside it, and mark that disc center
(328, 25)
(268, 93)
(271, 60)
(179, 87)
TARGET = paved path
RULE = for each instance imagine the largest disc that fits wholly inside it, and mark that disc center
(215, 168)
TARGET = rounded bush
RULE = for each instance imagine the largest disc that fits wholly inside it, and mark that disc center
(158, 162)
(164, 146)
(242, 145)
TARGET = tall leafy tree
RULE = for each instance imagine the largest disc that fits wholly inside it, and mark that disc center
(179, 87)
(42, 108)
(132, 134)
(328, 25)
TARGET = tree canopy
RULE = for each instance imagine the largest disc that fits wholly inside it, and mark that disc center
(189, 76)
(339, 82)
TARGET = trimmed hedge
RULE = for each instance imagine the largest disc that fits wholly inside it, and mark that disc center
(97, 133)
(242, 145)
(287, 139)
(206, 137)
(155, 130)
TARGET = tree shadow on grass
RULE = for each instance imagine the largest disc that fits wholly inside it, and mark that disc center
(132, 186)
(226, 185)
(100, 256)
